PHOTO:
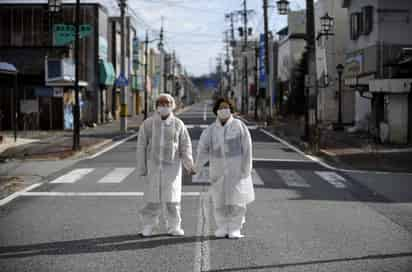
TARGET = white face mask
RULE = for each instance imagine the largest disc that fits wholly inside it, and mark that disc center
(164, 111)
(224, 114)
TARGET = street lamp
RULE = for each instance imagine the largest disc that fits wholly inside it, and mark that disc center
(283, 7)
(55, 6)
(339, 69)
(326, 23)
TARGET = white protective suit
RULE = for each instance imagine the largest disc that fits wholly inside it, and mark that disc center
(228, 149)
(162, 146)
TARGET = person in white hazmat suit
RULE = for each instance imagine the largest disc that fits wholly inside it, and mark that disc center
(163, 145)
(227, 145)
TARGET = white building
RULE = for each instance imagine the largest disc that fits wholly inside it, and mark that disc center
(291, 47)
(330, 51)
(378, 64)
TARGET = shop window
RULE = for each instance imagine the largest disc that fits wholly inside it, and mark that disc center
(367, 20)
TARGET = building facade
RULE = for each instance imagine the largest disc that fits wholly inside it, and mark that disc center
(379, 65)
(290, 51)
(330, 51)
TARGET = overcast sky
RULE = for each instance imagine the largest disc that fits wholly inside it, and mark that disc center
(194, 28)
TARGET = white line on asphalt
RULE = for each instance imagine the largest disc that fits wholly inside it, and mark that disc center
(281, 160)
(6, 200)
(205, 112)
(202, 252)
(189, 194)
(111, 147)
(315, 159)
(292, 179)
(254, 127)
(117, 175)
(332, 178)
(297, 150)
(256, 178)
(73, 176)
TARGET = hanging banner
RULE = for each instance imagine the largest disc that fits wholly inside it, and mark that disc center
(262, 64)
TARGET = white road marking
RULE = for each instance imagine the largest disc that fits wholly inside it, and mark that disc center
(203, 126)
(117, 175)
(332, 178)
(256, 178)
(73, 176)
(319, 161)
(281, 160)
(11, 197)
(292, 179)
(205, 112)
(203, 177)
(194, 194)
(202, 251)
(111, 147)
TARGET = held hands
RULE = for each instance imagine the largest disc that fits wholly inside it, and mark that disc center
(192, 171)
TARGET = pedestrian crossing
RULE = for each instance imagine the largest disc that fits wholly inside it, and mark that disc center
(293, 179)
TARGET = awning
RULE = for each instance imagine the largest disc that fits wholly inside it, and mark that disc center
(106, 73)
(7, 68)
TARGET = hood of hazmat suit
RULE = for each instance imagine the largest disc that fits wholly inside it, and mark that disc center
(162, 147)
(228, 149)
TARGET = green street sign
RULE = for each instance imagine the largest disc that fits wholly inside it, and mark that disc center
(65, 34)
(85, 30)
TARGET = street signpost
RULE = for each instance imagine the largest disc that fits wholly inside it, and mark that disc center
(65, 34)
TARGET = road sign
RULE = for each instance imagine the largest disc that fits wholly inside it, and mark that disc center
(121, 81)
(65, 34)
(85, 30)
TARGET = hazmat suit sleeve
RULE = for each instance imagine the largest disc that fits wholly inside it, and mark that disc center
(247, 161)
(141, 151)
(203, 150)
(185, 149)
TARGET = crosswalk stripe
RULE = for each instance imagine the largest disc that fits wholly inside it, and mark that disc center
(256, 178)
(332, 178)
(203, 177)
(117, 175)
(292, 179)
(73, 176)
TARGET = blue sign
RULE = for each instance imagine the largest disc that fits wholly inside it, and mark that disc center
(122, 81)
(211, 83)
(262, 63)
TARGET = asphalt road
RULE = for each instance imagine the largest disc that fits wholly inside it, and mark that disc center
(305, 218)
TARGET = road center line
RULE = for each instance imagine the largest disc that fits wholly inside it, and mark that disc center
(202, 253)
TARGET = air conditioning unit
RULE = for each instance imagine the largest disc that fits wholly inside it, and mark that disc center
(59, 71)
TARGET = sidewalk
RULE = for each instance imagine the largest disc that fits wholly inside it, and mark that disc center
(347, 150)
(57, 145)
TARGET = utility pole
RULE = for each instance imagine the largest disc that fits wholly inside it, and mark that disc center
(162, 59)
(267, 67)
(256, 81)
(146, 54)
(76, 106)
(245, 33)
(173, 73)
(313, 91)
(227, 62)
(123, 95)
